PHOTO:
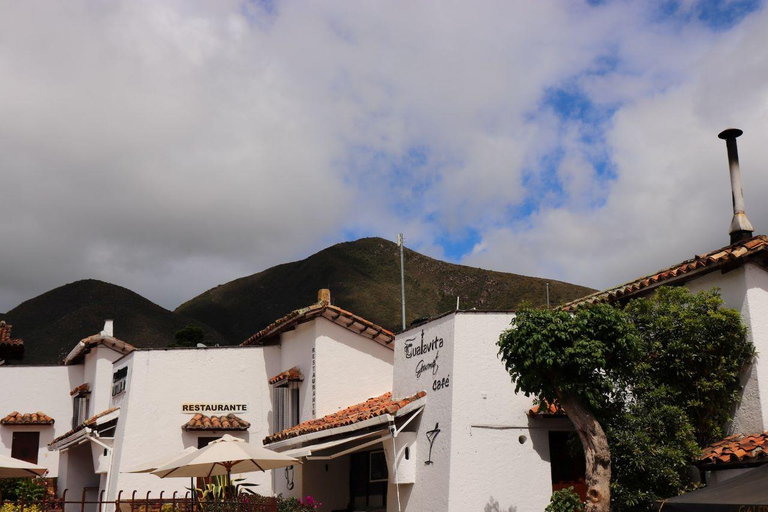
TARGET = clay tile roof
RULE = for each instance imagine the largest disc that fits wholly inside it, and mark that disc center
(292, 375)
(371, 408)
(228, 422)
(87, 423)
(335, 314)
(736, 449)
(35, 418)
(545, 409)
(87, 344)
(82, 388)
(730, 256)
(5, 335)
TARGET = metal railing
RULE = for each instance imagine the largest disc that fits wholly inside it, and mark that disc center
(145, 503)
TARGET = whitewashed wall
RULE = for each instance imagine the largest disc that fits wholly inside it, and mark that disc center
(97, 373)
(431, 492)
(29, 389)
(350, 368)
(160, 381)
(489, 419)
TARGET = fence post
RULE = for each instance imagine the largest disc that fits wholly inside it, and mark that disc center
(82, 501)
(117, 501)
(148, 508)
(133, 499)
(101, 497)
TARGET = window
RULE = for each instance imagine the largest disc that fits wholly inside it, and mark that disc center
(286, 406)
(118, 380)
(25, 446)
(80, 408)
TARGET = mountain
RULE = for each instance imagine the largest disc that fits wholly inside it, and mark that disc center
(364, 277)
(52, 323)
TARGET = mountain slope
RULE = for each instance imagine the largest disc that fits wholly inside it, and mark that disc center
(364, 277)
(52, 323)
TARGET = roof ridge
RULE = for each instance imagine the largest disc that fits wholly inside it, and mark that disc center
(742, 249)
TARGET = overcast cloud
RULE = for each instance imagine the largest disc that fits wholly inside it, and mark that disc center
(172, 146)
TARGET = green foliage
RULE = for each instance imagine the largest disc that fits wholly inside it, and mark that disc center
(219, 490)
(695, 350)
(33, 489)
(16, 507)
(189, 336)
(564, 500)
(661, 375)
(553, 353)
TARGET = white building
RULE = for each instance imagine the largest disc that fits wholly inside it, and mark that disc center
(111, 407)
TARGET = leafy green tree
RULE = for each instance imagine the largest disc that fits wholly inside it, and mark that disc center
(636, 384)
(189, 336)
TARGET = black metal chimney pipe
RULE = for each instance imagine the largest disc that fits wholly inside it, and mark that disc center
(741, 229)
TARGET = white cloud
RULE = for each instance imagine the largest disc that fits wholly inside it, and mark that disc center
(171, 146)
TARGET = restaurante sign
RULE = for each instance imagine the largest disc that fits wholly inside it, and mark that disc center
(193, 408)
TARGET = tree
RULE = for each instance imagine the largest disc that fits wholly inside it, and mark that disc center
(189, 336)
(633, 382)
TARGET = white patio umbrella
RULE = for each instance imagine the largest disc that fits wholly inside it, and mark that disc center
(152, 465)
(14, 468)
(223, 457)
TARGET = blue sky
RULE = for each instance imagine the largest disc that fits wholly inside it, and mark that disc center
(172, 146)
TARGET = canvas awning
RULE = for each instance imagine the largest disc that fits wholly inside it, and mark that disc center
(743, 493)
(307, 451)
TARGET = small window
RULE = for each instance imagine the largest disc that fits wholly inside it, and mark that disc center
(25, 446)
(79, 409)
(287, 412)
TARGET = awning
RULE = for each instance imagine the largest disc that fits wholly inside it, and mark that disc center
(84, 431)
(306, 451)
(743, 493)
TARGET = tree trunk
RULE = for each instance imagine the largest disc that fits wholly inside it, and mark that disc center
(596, 453)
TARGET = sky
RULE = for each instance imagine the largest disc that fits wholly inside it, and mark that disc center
(171, 146)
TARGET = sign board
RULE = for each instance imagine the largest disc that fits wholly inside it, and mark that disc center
(213, 408)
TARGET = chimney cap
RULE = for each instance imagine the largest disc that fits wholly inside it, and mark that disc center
(324, 295)
(730, 133)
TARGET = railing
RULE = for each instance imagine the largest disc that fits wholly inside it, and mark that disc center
(146, 503)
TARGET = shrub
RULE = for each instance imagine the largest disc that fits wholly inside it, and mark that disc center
(564, 500)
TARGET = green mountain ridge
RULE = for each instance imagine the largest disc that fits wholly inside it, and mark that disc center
(51, 324)
(364, 278)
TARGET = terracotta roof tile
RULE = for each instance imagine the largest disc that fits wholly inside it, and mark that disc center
(726, 257)
(87, 423)
(291, 375)
(371, 408)
(545, 409)
(87, 344)
(81, 389)
(35, 418)
(10, 348)
(736, 449)
(228, 422)
(5, 335)
(335, 314)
